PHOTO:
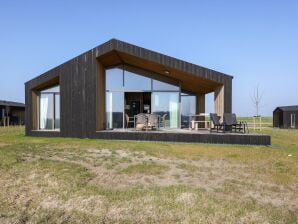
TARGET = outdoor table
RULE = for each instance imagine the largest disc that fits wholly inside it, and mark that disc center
(194, 124)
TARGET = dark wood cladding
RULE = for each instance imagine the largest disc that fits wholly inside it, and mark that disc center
(282, 117)
(77, 82)
(214, 138)
(82, 85)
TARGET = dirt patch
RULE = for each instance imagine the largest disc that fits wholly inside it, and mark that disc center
(186, 198)
(91, 205)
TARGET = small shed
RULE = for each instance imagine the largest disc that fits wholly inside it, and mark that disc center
(11, 113)
(285, 117)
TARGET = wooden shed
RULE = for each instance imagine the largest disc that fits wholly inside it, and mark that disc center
(285, 117)
(11, 113)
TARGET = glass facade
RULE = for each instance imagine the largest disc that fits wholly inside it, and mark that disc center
(135, 82)
(49, 108)
(114, 109)
(166, 105)
(114, 79)
(122, 82)
(188, 107)
(161, 86)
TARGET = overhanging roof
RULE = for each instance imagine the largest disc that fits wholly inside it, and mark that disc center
(193, 77)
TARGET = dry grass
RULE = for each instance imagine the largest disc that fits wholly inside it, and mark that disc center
(64, 180)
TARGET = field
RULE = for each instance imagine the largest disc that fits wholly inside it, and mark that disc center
(65, 180)
(266, 122)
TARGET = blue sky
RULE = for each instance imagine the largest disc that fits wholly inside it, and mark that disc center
(255, 41)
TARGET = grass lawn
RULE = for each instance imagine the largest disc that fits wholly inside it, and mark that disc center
(65, 180)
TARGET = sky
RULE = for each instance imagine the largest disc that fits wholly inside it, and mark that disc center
(254, 41)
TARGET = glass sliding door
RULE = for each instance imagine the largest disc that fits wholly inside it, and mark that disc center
(114, 109)
(166, 105)
(49, 108)
(161, 97)
(188, 107)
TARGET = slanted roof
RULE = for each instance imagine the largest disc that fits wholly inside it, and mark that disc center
(193, 78)
(288, 108)
(11, 103)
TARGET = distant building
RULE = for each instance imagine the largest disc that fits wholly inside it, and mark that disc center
(12, 113)
(285, 117)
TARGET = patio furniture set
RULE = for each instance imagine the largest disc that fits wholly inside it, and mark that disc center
(146, 122)
(229, 123)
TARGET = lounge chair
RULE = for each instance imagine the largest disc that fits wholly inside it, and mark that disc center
(230, 120)
(217, 125)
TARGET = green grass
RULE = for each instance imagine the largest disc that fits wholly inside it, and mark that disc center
(68, 180)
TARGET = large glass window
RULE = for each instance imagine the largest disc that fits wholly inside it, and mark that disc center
(114, 79)
(49, 109)
(188, 107)
(114, 109)
(166, 104)
(164, 98)
(135, 82)
(158, 85)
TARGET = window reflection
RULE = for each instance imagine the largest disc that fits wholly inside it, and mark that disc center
(136, 82)
(188, 107)
(114, 109)
(46, 113)
(158, 85)
(114, 79)
(166, 105)
(163, 97)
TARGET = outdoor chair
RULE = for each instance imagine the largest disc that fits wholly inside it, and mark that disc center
(129, 120)
(236, 126)
(140, 122)
(153, 121)
(217, 125)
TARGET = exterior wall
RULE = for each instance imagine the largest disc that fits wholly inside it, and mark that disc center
(282, 119)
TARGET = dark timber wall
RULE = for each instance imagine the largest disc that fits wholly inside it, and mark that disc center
(81, 89)
(282, 117)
